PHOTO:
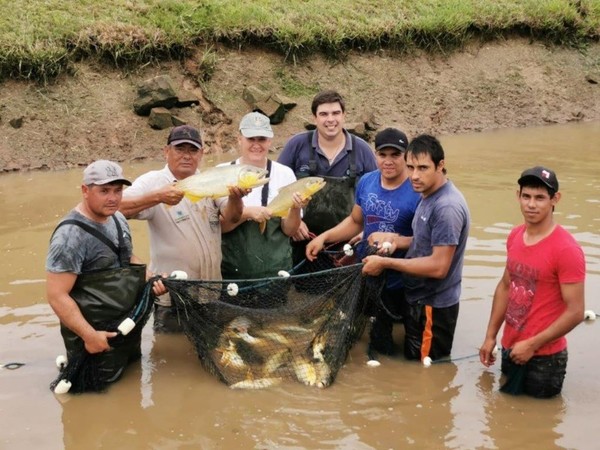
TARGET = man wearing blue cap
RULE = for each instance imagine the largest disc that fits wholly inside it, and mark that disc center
(540, 297)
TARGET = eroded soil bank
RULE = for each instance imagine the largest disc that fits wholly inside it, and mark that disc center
(89, 115)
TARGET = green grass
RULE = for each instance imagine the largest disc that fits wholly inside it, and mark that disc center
(39, 39)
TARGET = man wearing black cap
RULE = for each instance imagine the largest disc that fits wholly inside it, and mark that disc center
(89, 279)
(540, 297)
(183, 235)
(385, 203)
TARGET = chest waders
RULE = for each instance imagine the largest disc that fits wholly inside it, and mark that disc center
(105, 297)
(250, 254)
(334, 202)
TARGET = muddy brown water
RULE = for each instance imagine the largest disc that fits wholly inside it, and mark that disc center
(169, 402)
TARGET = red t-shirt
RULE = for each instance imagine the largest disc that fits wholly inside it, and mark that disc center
(536, 273)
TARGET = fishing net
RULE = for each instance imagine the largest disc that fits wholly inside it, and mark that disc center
(299, 326)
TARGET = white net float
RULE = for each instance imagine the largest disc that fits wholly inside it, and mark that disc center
(232, 289)
(427, 361)
(348, 250)
(126, 326)
(283, 274)
(62, 387)
(589, 315)
(179, 275)
(61, 361)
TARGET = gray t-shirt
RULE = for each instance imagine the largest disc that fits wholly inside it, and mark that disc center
(441, 219)
(74, 250)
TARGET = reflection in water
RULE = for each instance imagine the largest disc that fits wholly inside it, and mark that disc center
(168, 401)
(512, 421)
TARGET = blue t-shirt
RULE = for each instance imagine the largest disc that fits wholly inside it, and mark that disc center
(441, 219)
(298, 150)
(387, 210)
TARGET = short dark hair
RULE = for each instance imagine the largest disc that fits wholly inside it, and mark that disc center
(532, 182)
(426, 144)
(328, 96)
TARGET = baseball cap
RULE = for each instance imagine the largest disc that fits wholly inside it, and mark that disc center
(185, 134)
(391, 137)
(546, 176)
(255, 124)
(103, 172)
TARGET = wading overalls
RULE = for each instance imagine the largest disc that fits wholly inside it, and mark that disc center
(105, 297)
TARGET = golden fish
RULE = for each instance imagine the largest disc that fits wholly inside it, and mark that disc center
(230, 357)
(277, 360)
(312, 373)
(306, 187)
(274, 336)
(305, 371)
(318, 347)
(259, 383)
(215, 182)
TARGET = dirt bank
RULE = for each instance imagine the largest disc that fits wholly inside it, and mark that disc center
(89, 115)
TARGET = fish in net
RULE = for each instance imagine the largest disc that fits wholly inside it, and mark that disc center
(252, 334)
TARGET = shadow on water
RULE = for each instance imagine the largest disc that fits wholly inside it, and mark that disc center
(169, 401)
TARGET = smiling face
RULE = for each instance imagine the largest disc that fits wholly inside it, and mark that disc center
(330, 120)
(254, 150)
(183, 159)
(425, 177)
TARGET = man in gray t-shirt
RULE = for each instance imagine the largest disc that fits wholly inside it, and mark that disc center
(89, 279)
(432, 268)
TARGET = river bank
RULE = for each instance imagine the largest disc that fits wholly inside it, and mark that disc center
(504, 84)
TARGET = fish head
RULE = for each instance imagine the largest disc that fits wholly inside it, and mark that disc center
(312, 185)
(240, 324)
(250, 177)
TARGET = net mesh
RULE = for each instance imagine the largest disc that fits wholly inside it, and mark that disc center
(299, 326)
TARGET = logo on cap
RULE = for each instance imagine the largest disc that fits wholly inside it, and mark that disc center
(112, 171)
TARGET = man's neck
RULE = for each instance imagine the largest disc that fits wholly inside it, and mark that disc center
(536, 232)
(331, 145)
(393, 183)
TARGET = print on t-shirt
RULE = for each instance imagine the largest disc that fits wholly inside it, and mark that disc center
(380, 212)
(521, 292)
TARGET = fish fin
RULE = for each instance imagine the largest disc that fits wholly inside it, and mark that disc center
(262, 226)
(193, 198)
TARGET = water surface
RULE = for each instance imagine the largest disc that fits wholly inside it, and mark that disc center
(168, 401)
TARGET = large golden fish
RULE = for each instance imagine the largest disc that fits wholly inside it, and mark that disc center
(215, 182)
(280, 206)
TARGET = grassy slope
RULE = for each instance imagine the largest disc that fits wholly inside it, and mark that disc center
(39, 38)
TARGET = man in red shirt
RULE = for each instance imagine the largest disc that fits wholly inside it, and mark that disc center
(540, 297)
